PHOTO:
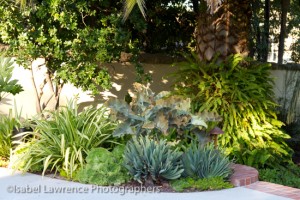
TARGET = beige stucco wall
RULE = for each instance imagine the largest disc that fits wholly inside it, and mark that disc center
(284, 82)
(123, 76)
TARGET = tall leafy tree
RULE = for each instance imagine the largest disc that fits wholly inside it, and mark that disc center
(222, 27)
(75, 38)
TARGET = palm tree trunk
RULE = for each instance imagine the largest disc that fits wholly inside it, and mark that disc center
(225, 32)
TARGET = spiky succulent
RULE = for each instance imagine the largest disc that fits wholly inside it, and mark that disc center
(205, 162)
(146, 158)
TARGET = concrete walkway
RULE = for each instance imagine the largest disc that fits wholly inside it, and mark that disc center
(35, 187)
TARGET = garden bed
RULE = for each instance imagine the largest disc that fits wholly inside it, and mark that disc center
(242, 176)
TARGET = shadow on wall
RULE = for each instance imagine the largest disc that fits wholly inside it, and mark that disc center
(123, 76)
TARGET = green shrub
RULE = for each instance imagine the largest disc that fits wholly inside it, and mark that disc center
(241, 91)
(62, 141)
(148, 159)
(104, 167)
(288, 176)
(205, 162)
(7, 124)
(215, 183)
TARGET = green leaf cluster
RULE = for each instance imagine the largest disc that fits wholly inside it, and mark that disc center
(74, 37)
(288, 176)
(146, 159)
(104, 167)
(6, 84)
(205, 162)
(241, 92)
(213, 183)
(148, 112)
(61, 142)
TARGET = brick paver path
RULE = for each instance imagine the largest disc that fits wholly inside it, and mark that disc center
(279, 190)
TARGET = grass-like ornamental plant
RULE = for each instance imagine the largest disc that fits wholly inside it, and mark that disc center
(62, 141)
(7, 124)
(241, 92)
(146, 159)
(205, 162)
(104, 167)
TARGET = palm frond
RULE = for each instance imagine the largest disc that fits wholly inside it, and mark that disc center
(129, 5)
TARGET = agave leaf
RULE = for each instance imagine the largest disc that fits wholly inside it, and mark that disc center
(146, 158)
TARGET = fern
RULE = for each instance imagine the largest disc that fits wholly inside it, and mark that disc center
(241, 92)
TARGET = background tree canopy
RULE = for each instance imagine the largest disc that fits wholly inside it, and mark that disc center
(77, 37)
(169, 25)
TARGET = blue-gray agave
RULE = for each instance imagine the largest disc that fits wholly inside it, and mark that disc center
(146, 158)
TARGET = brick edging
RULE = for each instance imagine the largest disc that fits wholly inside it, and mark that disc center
(243, 175)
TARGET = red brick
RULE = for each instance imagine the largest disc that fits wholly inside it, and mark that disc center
(243, 175)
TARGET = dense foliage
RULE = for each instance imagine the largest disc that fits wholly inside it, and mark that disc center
(241, 92)
(104, 167)
(147, 159)
(74, 38)
(172, 19)
(62, 141)
(288, 175)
